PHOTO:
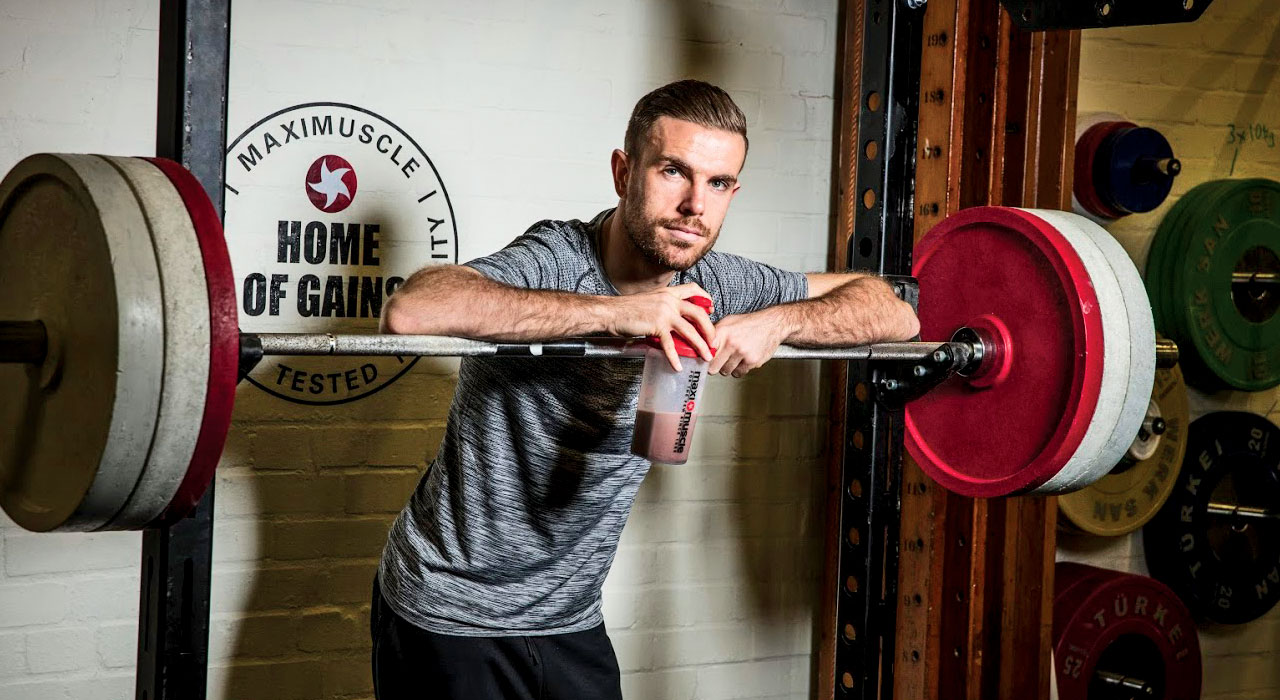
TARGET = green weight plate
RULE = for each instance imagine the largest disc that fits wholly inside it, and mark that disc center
(1234, 330)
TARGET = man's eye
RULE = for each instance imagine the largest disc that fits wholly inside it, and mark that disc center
(719, 184)
(670, 170)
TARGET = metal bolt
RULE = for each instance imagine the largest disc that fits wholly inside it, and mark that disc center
(919, 370)
(940, 356)
(890, 384)
(916, 4)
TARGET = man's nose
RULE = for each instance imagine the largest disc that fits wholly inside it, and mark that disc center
(694, 200)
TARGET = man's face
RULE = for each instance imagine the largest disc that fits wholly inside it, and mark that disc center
(676, 190)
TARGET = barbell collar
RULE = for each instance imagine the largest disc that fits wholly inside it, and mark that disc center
(1238, 511)
(1166, 353)
(1125, 686)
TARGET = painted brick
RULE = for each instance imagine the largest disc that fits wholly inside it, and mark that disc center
(110, 598)
(782, 112)
(118, 645)
(670, 685)
(33, 604)
(40, 553)
(314, 539)
(331, 630)
(60, 650)
(13, 655)
(347, 676)
(387, 447)
(258, 636)
(272, 680)
(260, 587)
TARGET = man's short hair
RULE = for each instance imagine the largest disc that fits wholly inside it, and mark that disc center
(694, 101)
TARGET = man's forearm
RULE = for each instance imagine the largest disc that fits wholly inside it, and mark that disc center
(864, 310)
(457, 302)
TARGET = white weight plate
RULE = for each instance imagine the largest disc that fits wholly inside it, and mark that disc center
(74, 253)
(186, 343)
(1142, 335)
(1081, 468)
(1141, 338)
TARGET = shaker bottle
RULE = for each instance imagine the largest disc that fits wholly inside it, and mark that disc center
(667, 408)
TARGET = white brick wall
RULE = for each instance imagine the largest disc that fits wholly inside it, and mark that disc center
(1190, 81)
(519, 104)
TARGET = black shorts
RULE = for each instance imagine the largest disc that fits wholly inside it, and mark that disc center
(412, 663)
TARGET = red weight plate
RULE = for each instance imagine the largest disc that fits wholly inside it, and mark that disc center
(1111, 622)
(1013, 275)
(1083, 183)
(224, 342)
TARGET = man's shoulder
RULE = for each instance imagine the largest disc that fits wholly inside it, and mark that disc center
(573, 233)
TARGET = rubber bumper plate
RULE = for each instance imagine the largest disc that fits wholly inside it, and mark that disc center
(1112, 628)
(1132, 493)
(224, 341)
(75, 253)
(1224, 560)
(1019, 282)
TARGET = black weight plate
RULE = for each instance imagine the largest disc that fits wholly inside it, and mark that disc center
(1226, 567)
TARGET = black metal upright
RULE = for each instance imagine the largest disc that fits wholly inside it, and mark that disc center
(871, 504)
(173, 615)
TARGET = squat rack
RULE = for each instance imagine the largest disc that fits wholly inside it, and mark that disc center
(997, 103)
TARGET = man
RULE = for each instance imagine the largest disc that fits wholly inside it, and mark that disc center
(490, 582)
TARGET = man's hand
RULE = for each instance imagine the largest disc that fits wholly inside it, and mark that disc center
(745, 342)
(660, 313)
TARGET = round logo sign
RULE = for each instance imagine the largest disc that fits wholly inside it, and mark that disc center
(329, 208)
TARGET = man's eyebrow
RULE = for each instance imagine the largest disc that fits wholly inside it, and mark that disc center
(673, 160)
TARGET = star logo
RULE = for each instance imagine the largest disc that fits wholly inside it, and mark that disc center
(331, 183)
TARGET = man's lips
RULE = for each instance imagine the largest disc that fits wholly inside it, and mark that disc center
(685, 234)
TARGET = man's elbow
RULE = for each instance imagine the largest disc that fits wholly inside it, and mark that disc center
(393, 317)
(910, 321)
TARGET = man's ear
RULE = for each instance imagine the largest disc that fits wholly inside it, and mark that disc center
(621, 171)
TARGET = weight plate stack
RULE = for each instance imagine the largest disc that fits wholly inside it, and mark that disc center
(224, 341)
(1212, 274)
(186, 343)
(124, 262)
(1120, 168)
(1216, 541)
(1119, 635)
(1135, 490)
(1129, 352)
(1018, 422)
(75, 253)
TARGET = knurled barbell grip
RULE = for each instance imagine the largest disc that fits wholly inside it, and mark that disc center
(445, 346)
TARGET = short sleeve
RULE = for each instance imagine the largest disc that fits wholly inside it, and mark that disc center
(531, 261)
(745, 285)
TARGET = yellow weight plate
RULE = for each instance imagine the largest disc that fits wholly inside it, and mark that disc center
(1126, 499)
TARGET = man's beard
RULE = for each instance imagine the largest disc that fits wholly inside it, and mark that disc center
(644, 235)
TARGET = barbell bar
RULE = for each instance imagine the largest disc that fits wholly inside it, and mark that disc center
(1040, 313)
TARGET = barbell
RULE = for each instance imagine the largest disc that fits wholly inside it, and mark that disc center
(120, 345)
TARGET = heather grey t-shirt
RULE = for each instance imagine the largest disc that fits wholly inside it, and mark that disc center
(514, 525)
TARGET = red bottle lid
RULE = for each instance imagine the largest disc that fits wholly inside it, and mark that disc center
(683, 348)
